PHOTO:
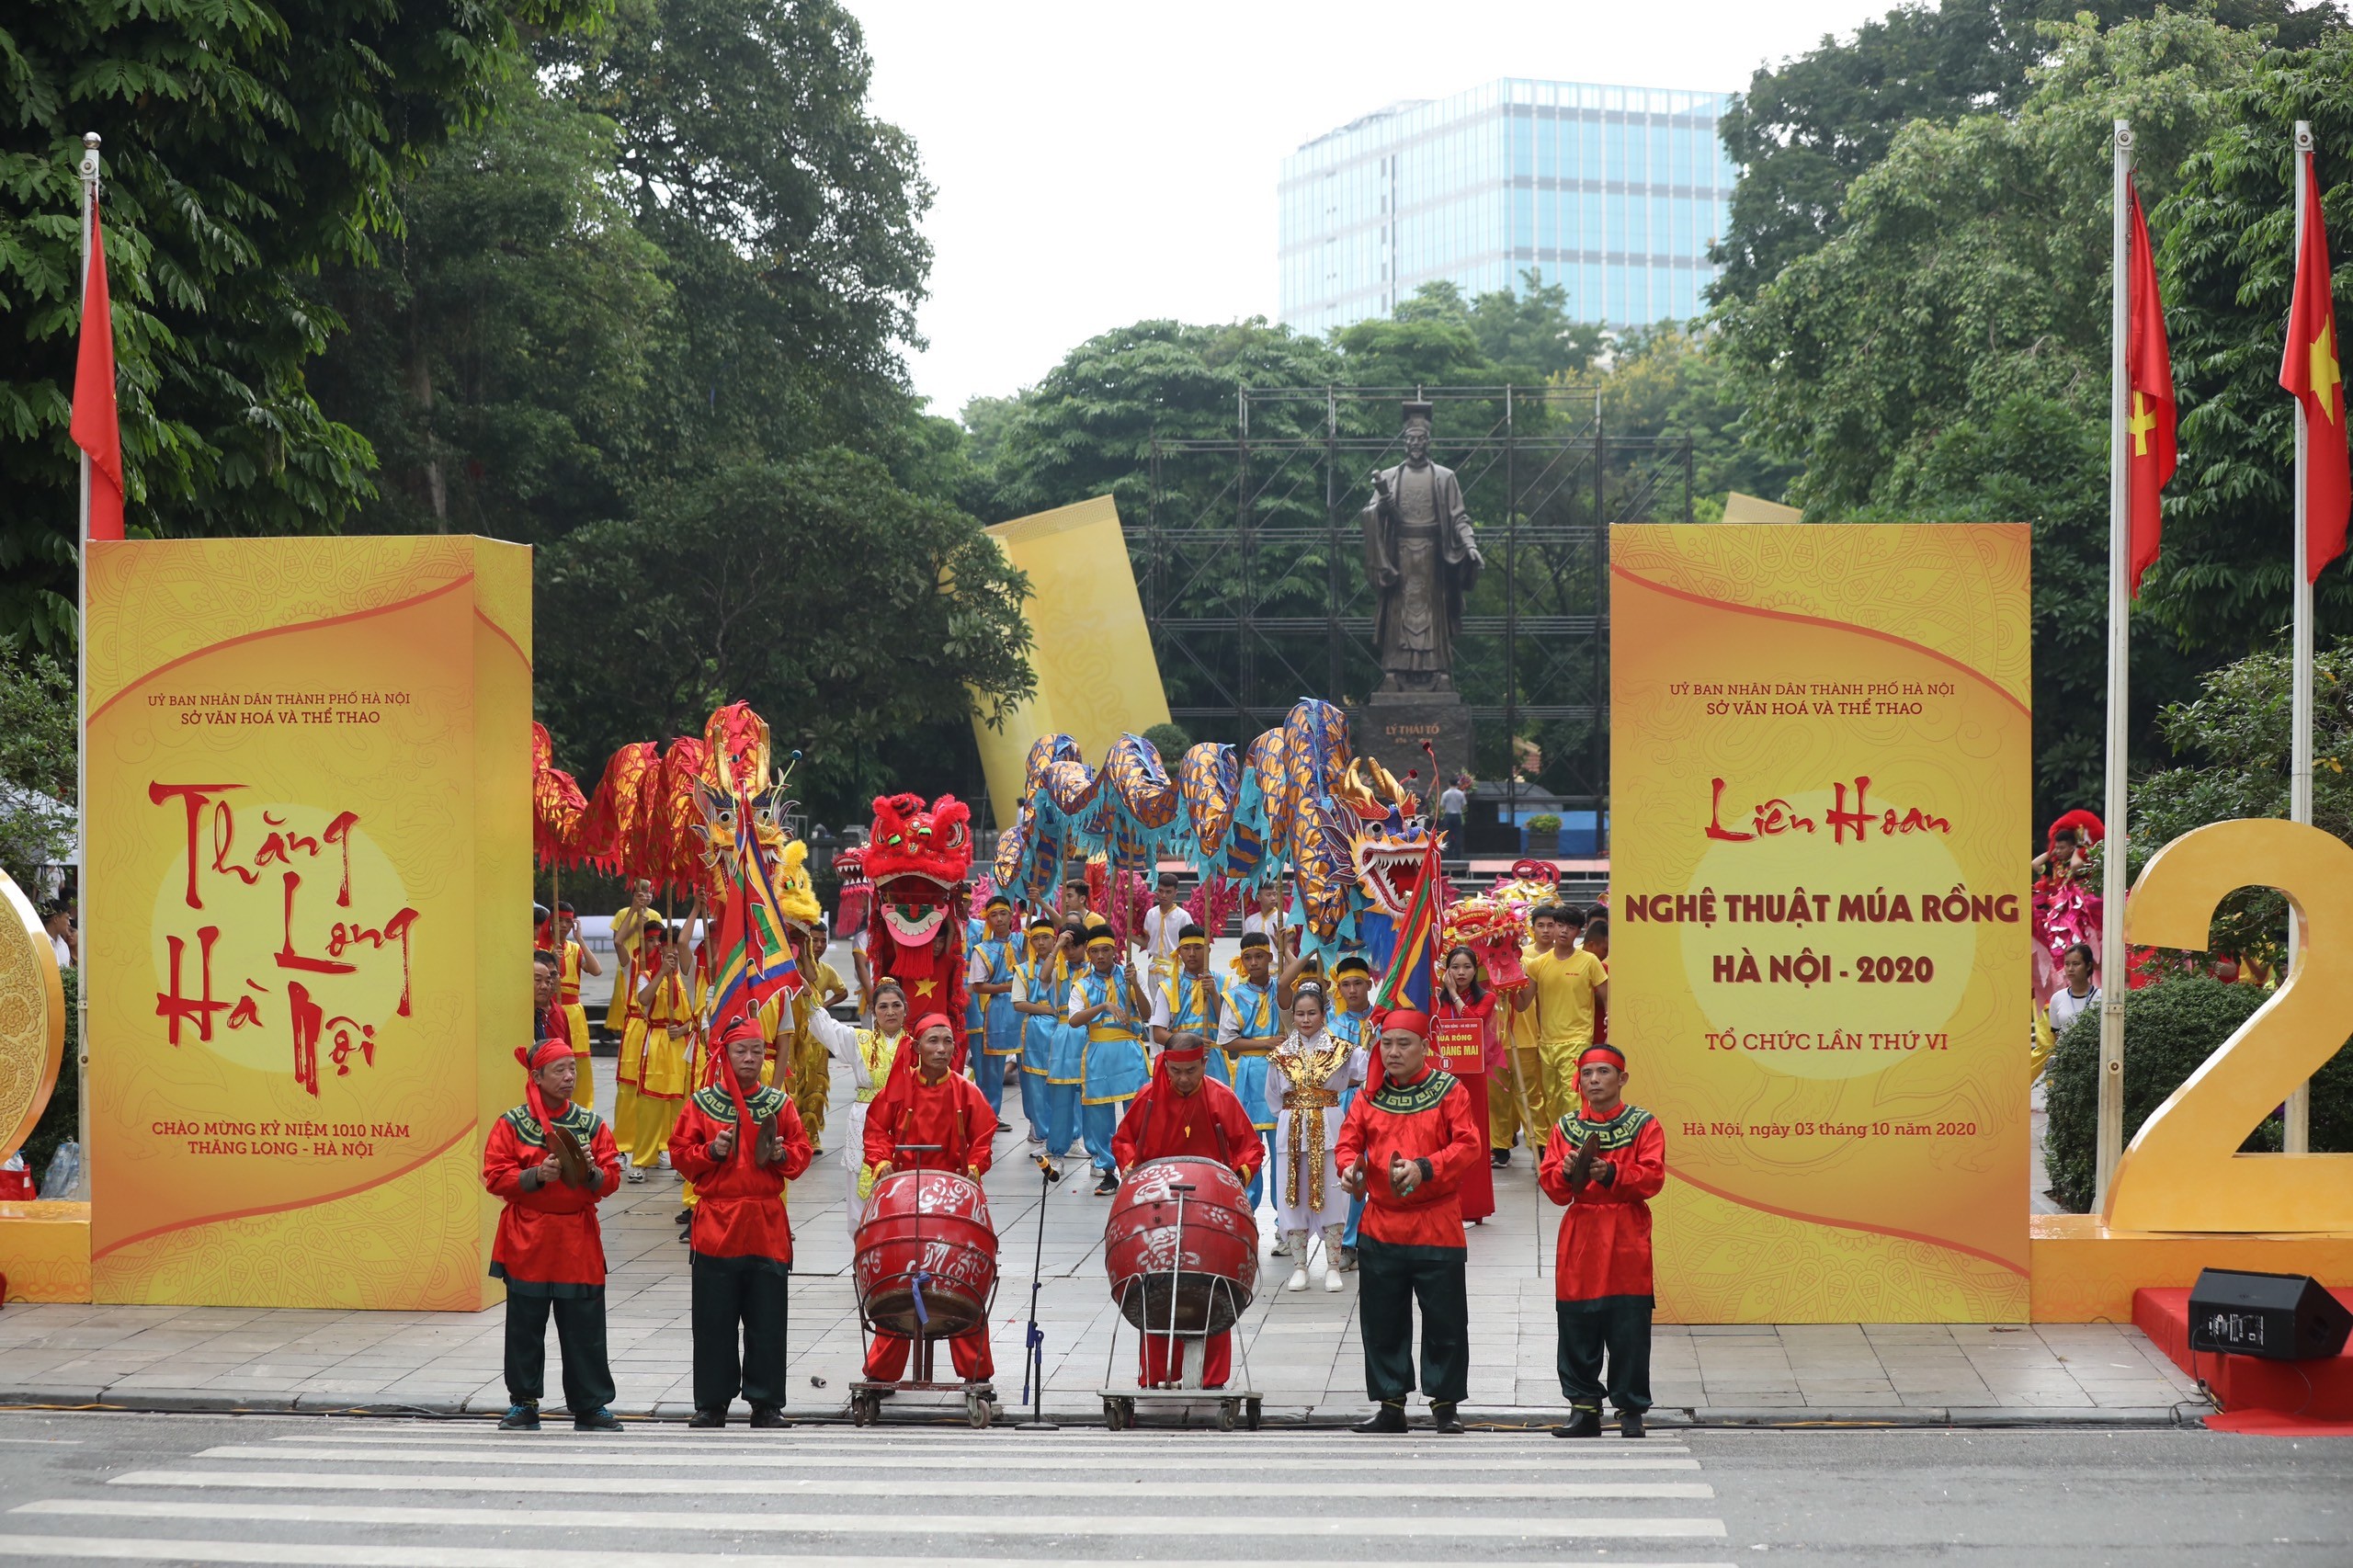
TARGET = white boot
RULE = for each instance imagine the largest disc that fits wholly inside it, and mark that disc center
(1297, 1242)
(1332, 1256)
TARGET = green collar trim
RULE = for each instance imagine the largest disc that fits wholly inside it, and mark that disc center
(1413, 1097)
(1619, 1131)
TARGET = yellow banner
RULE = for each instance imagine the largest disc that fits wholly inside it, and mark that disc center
(1097, 679)
(1822, 745)
(306, 911)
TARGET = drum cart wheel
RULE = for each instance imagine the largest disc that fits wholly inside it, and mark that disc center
(1119, 1413)
(1251, 1409)
(979, 1409)
(1229, 1415)
(864, 1409)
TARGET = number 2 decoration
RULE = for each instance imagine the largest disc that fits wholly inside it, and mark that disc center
(2182, 1171)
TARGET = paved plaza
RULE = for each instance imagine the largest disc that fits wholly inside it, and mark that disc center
(1303, 1353)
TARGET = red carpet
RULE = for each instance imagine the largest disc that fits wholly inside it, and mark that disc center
(2309, 1396)
(2272, 1424)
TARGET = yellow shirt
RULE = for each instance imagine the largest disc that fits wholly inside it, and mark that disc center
(1562, 1011)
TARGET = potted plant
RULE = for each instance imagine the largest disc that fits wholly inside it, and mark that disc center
(1545, 835)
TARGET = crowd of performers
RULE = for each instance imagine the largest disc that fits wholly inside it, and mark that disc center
(1129, 1050)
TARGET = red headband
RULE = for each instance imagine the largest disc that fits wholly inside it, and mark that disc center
(1186, 1053)
(1608, 1052)
(928, 1019)
(1406, 1020)
(742, 1028)
(543, 1054)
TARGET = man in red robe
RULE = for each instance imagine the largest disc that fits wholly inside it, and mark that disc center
(928, 1117)
(1402, 1147)
(739, 1141)
(1185, 1111)
(550, 1161)
(1605, 1164)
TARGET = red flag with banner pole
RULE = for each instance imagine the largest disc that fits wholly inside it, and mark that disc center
(95, 429)
(2311, 372)
(2150, 457)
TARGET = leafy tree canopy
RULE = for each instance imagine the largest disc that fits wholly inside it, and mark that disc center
(247, 143)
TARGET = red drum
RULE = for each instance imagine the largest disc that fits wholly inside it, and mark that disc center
(1217, 1272)
(926, 1238)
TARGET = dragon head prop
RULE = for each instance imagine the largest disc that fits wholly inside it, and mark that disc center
(915, 858)
(1391, 842)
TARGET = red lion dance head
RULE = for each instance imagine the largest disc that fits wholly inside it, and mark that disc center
(915, 860)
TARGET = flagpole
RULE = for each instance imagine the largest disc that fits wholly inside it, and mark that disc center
(2113, 984)
(89, 177)
(2298, 1131)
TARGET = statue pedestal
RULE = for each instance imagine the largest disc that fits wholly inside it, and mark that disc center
(1390, 727)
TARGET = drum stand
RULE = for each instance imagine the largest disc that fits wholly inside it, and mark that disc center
(1033, 1342)
(1234, 1407)
(865, 1394)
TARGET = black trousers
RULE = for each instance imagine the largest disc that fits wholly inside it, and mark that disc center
(1618, 1326)
(732, 1294)
(1390, 1281)
(579, 1334)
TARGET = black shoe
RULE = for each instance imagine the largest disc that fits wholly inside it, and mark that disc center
(1108, 1184)
(767, 1417)
(1500, 1159)
(1630, 1424)
(1585, 1421)
(520, 1417)
(703, 1420)
(1389, 1419)
(1445, 1418)
(685, 1217)
(599, 1420)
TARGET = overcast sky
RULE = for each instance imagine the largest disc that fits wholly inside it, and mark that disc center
(1099, 163)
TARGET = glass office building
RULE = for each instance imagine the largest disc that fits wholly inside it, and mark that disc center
(1614, 193)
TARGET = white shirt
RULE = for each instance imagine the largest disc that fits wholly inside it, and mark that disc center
(1267, 926)
(64, 954)
(1451, 802)
(2066, 1007)
(1161, 931)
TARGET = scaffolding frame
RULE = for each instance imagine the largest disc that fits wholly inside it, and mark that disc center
(1250, 559)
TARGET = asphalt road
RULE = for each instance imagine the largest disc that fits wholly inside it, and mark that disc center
(160, 1489)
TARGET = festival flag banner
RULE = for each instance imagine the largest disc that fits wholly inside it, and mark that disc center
(310, 829)
(2150, 455)
(1821, 755)
(2311, 371)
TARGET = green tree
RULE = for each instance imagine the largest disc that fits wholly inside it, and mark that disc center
(787, 215)
(1944, 355)
(1670, 383)
(37, 764)
(2227, 260)
(1808, 127)
(247, 145)
(2234, 741)
(846, 610)
(497, 358)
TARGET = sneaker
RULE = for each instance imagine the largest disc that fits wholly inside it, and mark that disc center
(522, 1417)
(662, 1161)
(1107, 1185)
(636, 1175)
(1500, 1159)
(599, 1420)
(1347, 1260)
(1037, 1141)
(1389, 1419)
(767, 1417)
(704, 1420)
(1004, 1127)
(685, 1217)
(1585, 1421)
(1445, 1418)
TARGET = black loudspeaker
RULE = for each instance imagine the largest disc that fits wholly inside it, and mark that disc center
(2281, 1317)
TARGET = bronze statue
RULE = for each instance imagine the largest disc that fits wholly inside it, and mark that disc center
(1423, 557)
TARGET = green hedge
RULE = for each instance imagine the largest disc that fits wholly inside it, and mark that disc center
(2169, 1029)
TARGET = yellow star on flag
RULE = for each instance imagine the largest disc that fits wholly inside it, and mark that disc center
(924, 987)
(2326, 378)
(2141, 424)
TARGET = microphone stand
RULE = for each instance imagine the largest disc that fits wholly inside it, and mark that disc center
(1033, 1346)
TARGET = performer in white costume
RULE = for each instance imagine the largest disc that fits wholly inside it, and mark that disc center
(1305, 1075)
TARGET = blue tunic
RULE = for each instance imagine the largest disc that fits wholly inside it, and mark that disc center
(1001, 1033)
(1188, 998)
(1040, 985)
(1252, 1007)
(1115, 1063)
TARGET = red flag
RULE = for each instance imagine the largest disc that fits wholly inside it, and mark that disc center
(2310, 372)
(2148, 373)
(95, 428)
